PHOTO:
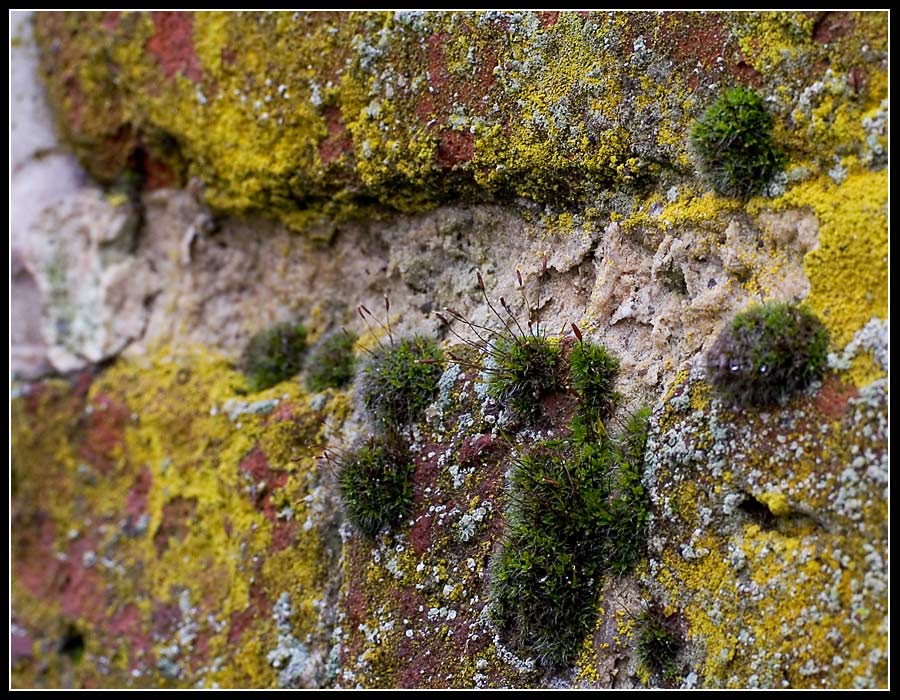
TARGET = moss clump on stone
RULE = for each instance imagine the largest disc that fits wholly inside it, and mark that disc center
(630, 509)
(592, 374)
(331, 362)
(734, 141)
(400, 380)
(375, 483)
(524, 369)
(767, 352)
(658, 643)
(543, 583)
(577, 511)
(274, 355)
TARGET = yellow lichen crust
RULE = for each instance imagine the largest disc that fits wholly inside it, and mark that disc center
(177, 523)
(848, 272)
(777, 557)
(304, 116)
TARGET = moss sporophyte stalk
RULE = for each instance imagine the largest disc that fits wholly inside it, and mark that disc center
(522, 364)
(524, 371)
(577, 510)
(395, 383)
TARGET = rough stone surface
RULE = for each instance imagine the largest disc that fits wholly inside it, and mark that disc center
(93, 289)
(172, 528)
(41, 173)
(637, 290)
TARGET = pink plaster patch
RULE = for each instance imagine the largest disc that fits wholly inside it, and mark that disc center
(173, 45)
(126, 621)
(833, 397)
(455, 148)
(548, 19)
(420, 536)
(283, 535)
(159, 175)
(438, 74)
(164, 619)
(258, 609)
(285, 411)
(177, 516)
(256, 464)
(475, 448)
(338, 142)
(34, 565)
(81, 588)
(19, 646)
(106, 430)
(136, 501)
(111, 19)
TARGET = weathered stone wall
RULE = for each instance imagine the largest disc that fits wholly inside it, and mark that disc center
(172, 527)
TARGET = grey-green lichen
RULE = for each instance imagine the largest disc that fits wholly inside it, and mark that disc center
(770, 528)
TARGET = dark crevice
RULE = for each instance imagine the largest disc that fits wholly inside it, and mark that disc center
(758, 512)
(72, 644)
(786, 524)
(672, 277)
